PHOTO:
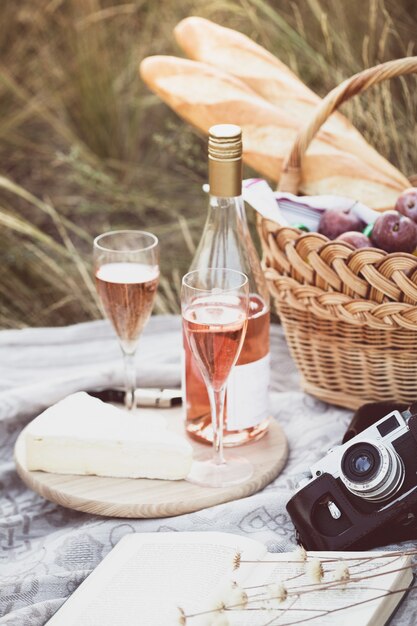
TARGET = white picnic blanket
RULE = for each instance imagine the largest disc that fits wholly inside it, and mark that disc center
(46, 551)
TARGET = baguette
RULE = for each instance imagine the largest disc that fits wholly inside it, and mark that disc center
(204, 95)
(238, 55)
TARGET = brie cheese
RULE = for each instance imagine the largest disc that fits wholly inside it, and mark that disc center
(83, 435)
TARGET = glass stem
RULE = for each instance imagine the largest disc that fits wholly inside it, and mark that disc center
(217, 417)
(130, 380)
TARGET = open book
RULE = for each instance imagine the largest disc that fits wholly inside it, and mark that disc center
(146, 577)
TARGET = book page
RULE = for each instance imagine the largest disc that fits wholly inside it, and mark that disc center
(147, 576)
(307, 600)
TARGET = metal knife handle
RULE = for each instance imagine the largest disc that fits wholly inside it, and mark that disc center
(154, 397)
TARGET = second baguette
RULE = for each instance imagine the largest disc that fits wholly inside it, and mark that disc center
(203, 96)
(266, 75)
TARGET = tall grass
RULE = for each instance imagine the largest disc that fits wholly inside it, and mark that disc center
(84, 147)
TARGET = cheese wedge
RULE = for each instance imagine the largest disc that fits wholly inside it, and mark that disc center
(83, 435)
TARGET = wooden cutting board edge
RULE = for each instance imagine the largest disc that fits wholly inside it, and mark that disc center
(143, 498)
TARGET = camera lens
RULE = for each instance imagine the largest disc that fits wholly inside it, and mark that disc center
(371, 470)
(362, 464)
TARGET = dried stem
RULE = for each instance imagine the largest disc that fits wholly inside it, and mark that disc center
(254, 603)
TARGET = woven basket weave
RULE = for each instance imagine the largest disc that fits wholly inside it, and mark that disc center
(350, 317)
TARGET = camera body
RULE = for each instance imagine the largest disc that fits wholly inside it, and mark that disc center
(361, 492)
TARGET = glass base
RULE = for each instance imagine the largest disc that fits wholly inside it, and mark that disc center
(234, 471)
(201, 430)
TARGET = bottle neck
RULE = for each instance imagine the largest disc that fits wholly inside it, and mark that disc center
(226, 219)
(226, 242)
(225, 177)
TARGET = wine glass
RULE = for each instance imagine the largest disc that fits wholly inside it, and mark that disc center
(215, 303)
(126, 269)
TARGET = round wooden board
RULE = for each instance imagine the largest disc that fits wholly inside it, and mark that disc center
(143, 498)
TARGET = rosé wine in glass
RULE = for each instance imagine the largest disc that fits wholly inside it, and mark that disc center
(215, 304)
(126, 269)
(127, 292)
(215, 330)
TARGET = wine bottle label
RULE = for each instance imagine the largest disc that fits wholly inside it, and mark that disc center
(247, 394)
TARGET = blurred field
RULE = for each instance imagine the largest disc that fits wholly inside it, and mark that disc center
(84, 147)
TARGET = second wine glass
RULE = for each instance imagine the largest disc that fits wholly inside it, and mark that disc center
(215, 304)
(126, 267)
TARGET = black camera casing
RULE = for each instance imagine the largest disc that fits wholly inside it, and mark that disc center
(362, 524)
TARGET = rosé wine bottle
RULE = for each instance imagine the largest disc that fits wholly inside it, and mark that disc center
(226, 242)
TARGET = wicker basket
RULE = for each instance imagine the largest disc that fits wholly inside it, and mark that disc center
(350, 317)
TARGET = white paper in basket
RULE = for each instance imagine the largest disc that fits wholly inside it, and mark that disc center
(287, 209)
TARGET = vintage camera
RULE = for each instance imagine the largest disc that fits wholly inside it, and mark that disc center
(363, 493)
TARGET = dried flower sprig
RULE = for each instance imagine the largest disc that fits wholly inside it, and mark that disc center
(277, 591)
(341, 572)
(314, 571)
(301, 553)
(236, 560)
(235, 597)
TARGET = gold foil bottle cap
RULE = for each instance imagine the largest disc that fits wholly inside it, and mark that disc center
(225, 160)
(225, 142)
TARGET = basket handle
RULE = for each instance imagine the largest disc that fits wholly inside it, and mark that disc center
(291, 170)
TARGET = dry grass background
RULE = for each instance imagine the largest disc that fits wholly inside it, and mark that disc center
(84, 147)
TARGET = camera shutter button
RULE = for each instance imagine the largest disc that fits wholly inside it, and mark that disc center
(334, 510)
